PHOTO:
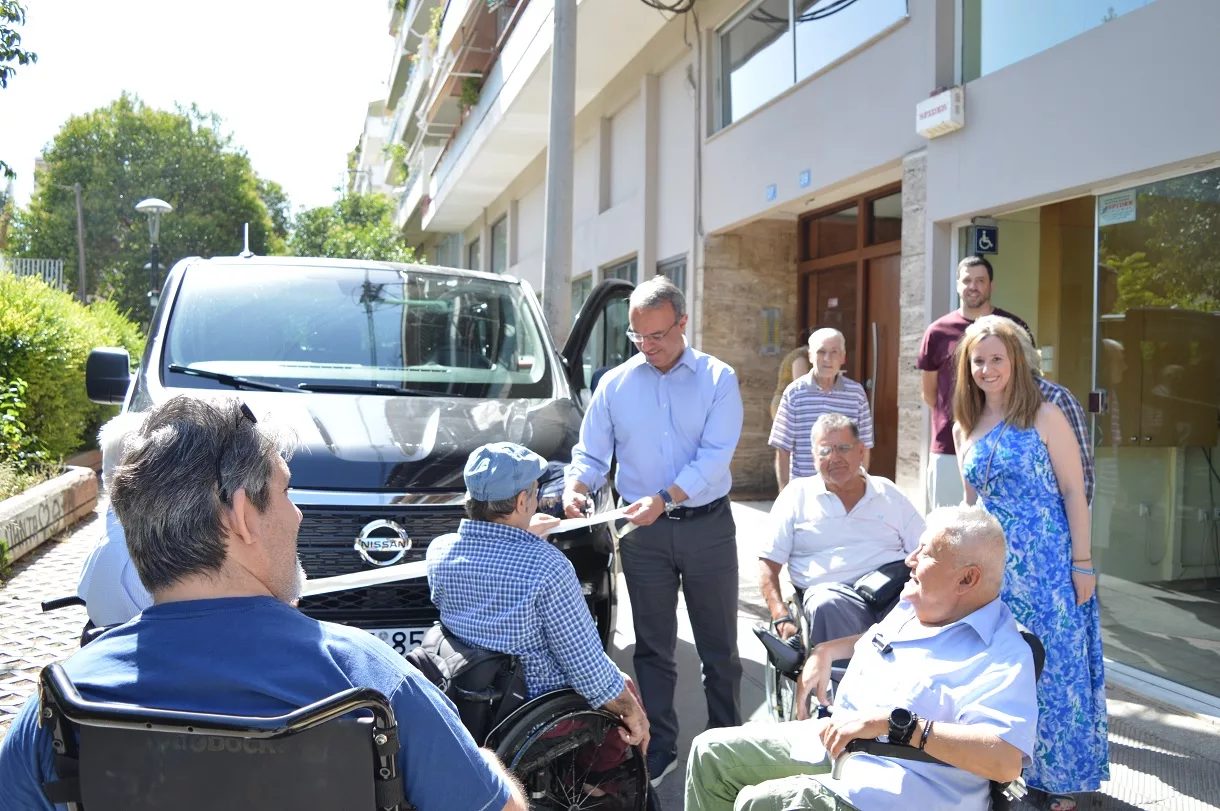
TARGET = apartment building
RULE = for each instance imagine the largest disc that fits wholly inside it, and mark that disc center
(768, 157)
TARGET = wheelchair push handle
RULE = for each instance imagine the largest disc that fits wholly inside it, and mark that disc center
(56, 603)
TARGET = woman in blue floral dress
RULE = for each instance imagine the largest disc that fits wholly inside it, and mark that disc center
(1020, 458)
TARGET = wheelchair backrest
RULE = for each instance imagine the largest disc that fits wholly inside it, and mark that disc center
(109, 757)
(327, 767)
(486, 686)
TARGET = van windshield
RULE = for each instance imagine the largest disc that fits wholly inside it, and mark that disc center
(376, 328)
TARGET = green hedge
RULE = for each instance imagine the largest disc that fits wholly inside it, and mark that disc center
(45, 338)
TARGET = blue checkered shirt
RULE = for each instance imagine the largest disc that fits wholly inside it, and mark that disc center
(507, 590)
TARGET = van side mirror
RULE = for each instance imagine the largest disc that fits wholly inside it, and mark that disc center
(107, 375)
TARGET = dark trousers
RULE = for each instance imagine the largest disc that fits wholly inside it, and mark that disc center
(700, 555)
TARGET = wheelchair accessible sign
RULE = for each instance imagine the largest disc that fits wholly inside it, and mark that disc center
(984, 239)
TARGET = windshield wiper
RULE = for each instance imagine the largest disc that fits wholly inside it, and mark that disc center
(228, 380)
(376, 388)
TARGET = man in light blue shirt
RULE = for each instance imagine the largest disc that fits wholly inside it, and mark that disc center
(671, 417)
(947, 671)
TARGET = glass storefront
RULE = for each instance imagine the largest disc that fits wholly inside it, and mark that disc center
(1156, 512)
(1122, 292)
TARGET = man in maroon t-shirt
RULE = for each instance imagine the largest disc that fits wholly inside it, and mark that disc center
(974, 278)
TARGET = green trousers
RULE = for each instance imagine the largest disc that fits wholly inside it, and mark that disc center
(751, 768)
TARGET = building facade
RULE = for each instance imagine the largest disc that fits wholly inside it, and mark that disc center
(766, 156)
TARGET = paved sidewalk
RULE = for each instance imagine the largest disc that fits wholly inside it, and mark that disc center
(1161, 758)
(29, 639)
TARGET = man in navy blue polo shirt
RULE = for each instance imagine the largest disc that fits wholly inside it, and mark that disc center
(202, 493)
(499, 585)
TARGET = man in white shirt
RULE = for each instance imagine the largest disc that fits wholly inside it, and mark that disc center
(831, 529)
(947, 671)
(108, 584)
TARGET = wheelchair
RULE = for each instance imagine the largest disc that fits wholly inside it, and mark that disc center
(880, 589)
(565, 753)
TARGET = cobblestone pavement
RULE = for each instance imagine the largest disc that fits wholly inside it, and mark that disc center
(1161, 758)
(29, 639)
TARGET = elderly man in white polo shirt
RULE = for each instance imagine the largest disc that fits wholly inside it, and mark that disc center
(830, 530)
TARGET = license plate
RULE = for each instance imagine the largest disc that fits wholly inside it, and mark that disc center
(403, 640)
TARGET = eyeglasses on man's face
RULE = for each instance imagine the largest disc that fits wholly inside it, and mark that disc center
(637, 338)
(823, 451)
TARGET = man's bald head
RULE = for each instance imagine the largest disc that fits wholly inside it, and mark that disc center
(958, 567)
(973, 537)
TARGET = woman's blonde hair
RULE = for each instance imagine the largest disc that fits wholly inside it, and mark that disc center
(1024, 396)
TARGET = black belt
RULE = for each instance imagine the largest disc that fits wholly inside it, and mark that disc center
(686, 513)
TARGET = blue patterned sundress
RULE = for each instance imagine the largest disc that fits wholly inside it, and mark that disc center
(1021, 491)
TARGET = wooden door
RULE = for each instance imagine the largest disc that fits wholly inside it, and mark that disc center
(832, 301)
(880, 361)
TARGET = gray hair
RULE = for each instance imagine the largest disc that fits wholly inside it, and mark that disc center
(656, 291)
(976, 539)
(818, 336)
(177, 475)
(834, 422)
(112, 437)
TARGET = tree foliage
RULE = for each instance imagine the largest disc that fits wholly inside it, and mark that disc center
(357, 226)
(1170, 255)
(127, 152)
(11, 52)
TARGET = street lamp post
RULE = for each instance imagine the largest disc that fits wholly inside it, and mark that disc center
(154, 208)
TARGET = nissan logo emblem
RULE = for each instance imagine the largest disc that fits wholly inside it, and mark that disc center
(382, 543)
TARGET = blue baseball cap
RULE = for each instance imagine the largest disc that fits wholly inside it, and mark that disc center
(501, 470)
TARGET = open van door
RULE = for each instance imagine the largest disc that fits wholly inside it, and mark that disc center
(598, 340)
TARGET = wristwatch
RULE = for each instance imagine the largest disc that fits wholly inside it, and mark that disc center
(902, 725)
(670, 504)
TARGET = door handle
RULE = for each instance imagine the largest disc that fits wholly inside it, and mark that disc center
(872, 388)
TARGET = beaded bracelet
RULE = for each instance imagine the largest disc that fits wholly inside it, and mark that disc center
(1081, 570)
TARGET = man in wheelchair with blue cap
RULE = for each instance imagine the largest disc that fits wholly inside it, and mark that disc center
(500, 586)
(202, 494)
(947, 672)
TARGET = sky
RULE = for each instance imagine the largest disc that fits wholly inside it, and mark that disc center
(291, 79)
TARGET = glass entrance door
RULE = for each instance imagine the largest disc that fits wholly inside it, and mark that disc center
(1156, 509)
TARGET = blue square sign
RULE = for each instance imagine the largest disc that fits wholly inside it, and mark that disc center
(984, 239)
(771, 192)
(804, 179)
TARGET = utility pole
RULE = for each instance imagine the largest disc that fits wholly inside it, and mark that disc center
(82, 291)
(557, 233)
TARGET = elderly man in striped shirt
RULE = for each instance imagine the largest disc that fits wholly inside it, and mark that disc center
(500, 585)
(823, 390)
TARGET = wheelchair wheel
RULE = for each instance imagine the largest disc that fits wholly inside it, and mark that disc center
(780, 688)
(570, 756)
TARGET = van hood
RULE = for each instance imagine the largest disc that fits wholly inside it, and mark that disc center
(403, 443)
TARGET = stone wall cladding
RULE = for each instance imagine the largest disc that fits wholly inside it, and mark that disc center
(745, 271)
(913, 321)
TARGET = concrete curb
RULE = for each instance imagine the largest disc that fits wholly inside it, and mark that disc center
(29, 519)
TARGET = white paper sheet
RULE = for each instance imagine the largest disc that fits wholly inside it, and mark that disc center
(372, 577)
(568, 524)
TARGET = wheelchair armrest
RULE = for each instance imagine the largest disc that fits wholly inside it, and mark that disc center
(881, 749)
